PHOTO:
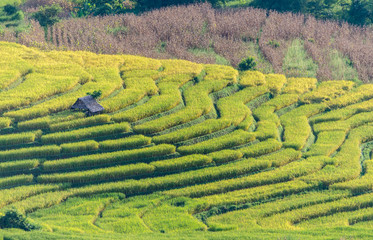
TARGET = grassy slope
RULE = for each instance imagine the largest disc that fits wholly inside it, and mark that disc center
(283, 182)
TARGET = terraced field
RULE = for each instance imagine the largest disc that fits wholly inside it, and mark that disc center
(183, 149)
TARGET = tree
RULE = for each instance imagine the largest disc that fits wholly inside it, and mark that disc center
(282, 5)
(48, 15)
(247, 64)
(10, 9)
(102, 7)
(95, 94)
(361, 12)
(144, 5)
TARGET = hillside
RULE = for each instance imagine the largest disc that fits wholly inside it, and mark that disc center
(183, 150)
(286, 43)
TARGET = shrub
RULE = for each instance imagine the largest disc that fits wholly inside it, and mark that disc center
(10, 9)
(15, 219)
(48, 15)
(247, 64)
(274, 43)
(95, 94)
(18, 16)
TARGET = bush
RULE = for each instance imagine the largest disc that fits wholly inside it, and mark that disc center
(144, 5)
(10, 9)
(14, 219)
(274, 43)
(48, 15)
(18, 16)
(95, 94)
(247, 64)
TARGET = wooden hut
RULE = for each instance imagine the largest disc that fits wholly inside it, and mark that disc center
(89, 104)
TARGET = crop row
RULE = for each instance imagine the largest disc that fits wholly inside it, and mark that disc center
(345, 125)
(90, 132)
(344, 113)
(18, 166)
(16, 180)
(136, 89)
(232, 111)
(15, 194)
(324, 209)
(19, 138)
(355, 218)
(345, 165)
(275, 82)
(255, 194)
(296, 127)
(235, 138)
(169, 97)
(327, 91)
(299, 85)
(326, 144)
(148, 185)
(75, 147)
(361, 93)
(359, 185)
(266, 129)
(36, 86)
(127, 171)
(45, 122)
(197, 100)
(138, 84)
(78, 123)
(204, 128)
(107, 79)
(252, 78)
(94, 160)
(286, 173)
(244, 218)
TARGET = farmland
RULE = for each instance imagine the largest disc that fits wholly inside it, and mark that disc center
(183, 150)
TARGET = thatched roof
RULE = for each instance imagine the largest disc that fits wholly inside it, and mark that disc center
(88, 103)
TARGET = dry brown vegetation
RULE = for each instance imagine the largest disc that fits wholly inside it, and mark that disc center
(176, 31)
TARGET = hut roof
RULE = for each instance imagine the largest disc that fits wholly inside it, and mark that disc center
(88, 103)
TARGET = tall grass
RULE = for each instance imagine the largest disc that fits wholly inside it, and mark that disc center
(203, 34)
(297, 63)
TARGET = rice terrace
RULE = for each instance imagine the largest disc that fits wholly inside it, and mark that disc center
(168, 148)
